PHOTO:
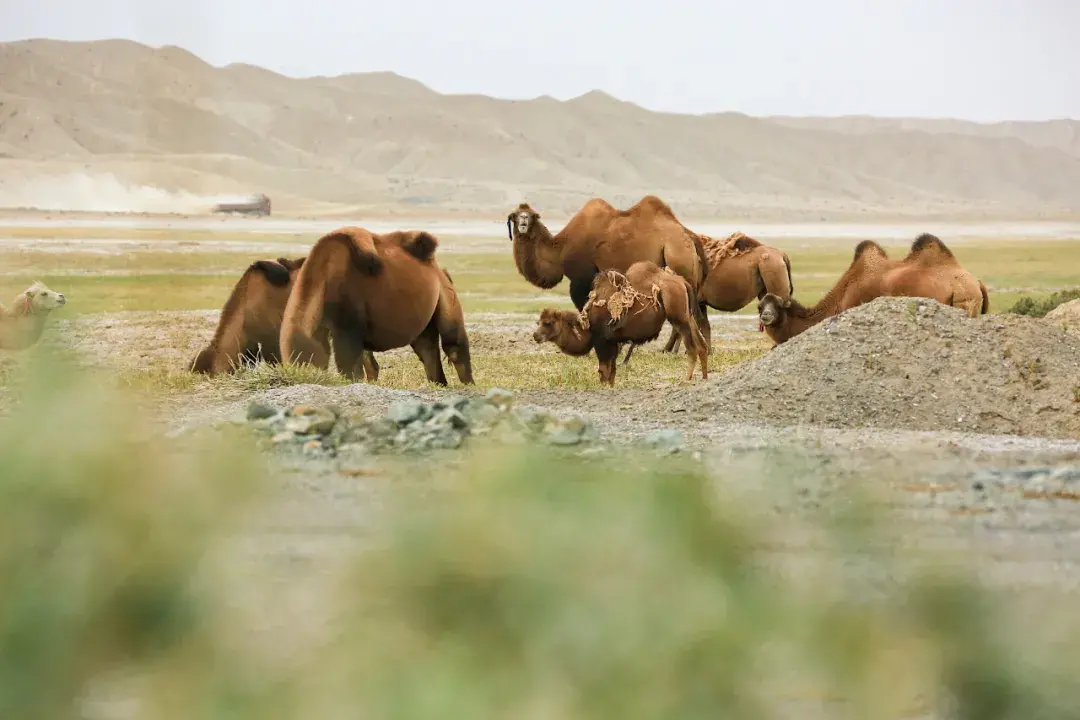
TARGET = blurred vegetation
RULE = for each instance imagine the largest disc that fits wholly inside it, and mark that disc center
(1039, 307)
(519, 584)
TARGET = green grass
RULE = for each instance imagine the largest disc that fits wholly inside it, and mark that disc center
(519, 583)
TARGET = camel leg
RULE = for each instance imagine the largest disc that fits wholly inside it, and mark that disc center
(702, 320)
(426, 348)
(307, 350)
(580, 289)
(629, 352)
(673, 340)
(450, 323)
(348, 354)
(371, 366)
(607, 353)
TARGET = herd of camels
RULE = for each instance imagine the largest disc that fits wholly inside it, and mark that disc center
(630, 272)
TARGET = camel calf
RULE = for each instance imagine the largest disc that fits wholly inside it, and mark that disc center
(627, 308)
(22, 325)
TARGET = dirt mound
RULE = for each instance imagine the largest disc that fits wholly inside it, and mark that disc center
(1067, 314)
(911, 364)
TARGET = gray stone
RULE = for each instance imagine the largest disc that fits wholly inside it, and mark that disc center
(499, 397)
(666, 440)
(408, 411)
(258, 411)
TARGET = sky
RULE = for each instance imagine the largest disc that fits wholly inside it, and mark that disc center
(985, 60)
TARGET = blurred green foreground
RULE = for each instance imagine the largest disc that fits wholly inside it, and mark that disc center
(520, 586)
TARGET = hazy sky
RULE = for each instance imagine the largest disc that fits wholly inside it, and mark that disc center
(977, 59)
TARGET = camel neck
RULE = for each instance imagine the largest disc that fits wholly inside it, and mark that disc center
(538, 256)
(577, 340)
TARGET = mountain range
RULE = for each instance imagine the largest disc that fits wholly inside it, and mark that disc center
(77, 117)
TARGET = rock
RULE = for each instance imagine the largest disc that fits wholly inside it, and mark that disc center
(500, 398)
(408, 411)
(312, 421)
(667, 440)
(283, 437)
(258, 411)
(572, 431)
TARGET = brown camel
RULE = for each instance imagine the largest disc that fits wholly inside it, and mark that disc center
(376, 293)
(627, 308)
(249, 327)
(740, 270)
(601, 237)
(455, 317)
(930, 270)
(22, 325)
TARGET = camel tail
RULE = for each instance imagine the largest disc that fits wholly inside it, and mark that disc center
(275, 271)
(790, 282)
(985, 298)
(366, 259)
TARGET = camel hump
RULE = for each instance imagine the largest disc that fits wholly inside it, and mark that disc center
(651, 205)
(743, 243)
(871, 247)
(294, 264)
(275, 271)
(420, 244)
(927, 244)
(361, 247)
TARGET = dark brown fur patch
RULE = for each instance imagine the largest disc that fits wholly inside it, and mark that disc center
(275, 272)
(926, 241)
(745, 243)
(422, 246)
(365, 261)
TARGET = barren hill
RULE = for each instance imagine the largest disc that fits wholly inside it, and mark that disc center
(162, 117)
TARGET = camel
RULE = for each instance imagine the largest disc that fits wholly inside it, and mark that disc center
(627, 308)
(454, 314)
(376, 292)
(929, 270)
(600, 237)
(22, 325)
(740, 269)
(249, 327)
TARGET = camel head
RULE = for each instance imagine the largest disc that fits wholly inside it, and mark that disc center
(551, 325)
(40, 299)
(522, 220)
(772, 312)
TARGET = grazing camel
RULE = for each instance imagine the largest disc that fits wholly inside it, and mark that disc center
(22, 325)
(454, 317)
(929, 270)
(376, 293)
(627, 308)
(249, 327)
(740, 269)
(600, 237)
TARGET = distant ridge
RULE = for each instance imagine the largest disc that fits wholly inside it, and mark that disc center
(165, 118)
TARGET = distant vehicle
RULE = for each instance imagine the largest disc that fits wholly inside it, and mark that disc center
(255, 205)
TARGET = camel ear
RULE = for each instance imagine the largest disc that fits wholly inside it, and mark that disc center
(510, 226)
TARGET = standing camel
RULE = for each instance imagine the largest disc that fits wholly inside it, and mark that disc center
(741, 269)
(22, 325)
(600, 237)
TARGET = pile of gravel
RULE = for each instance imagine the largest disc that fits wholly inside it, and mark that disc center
(908, 363)
(415, 426)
